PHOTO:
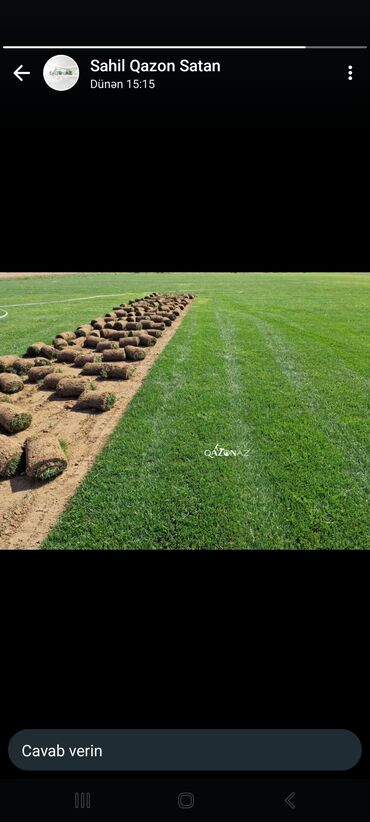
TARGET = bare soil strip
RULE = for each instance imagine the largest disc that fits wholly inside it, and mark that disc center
(28, 509)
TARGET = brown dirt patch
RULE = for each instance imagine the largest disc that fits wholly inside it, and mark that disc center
(28, 509)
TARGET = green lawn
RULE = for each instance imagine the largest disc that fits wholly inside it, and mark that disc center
(275, 364)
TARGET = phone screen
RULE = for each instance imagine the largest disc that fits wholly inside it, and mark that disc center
(184, 539)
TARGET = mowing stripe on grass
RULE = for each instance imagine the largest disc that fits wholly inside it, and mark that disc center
(157, 451)
(330, 348)
(346, 390)
(353, 452)
(333, 480)
(262, 522)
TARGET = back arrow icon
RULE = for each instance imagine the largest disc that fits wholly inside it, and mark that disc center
(288, 800)
(18, 73)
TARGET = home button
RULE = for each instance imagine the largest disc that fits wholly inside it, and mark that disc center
(185, 800)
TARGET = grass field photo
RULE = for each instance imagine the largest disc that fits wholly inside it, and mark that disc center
(247, 427)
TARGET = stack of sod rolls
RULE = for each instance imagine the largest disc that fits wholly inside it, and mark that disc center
(103, 348)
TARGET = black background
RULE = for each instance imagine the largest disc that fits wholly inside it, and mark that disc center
(177, 639)
(192, 639)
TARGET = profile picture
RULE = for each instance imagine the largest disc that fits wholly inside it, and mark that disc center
(61, 72)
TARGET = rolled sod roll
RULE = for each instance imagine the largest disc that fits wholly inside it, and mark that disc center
(83, 330)
(99, 400)
(82, 359)
(109, 324)
(156, 318)
(38, 373)
(93, 369)
(66, 335)
(110, 315)
(77, 343)
(34, 350)
(101, 346)
(13, 419)
(58, 343)
(51, 380)
(147, 324)
(109, 334)
(176, 312)
(98, 324)
(6, 362)
(116, 371)
(49, 352)
(153, 332)
(22, 365)
(120, 313)
(124, 341)
(120, 325)
(91, 342)
(159, 326)
(167, 321)
(10, 383)
(131, 326)
(114, 355)
(133, 353)
(147, 340)
(45, 458)
(67, 355)
(71, 386)
(10, 456)
(41, 361)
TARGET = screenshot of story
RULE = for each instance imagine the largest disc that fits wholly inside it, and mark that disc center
(187, 64)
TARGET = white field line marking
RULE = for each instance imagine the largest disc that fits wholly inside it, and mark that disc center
(4, 314)
(69, 300)
(99, 296)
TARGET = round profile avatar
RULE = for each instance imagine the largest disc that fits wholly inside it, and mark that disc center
(61, 72)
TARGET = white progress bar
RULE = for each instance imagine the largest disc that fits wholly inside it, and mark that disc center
(183, 48)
